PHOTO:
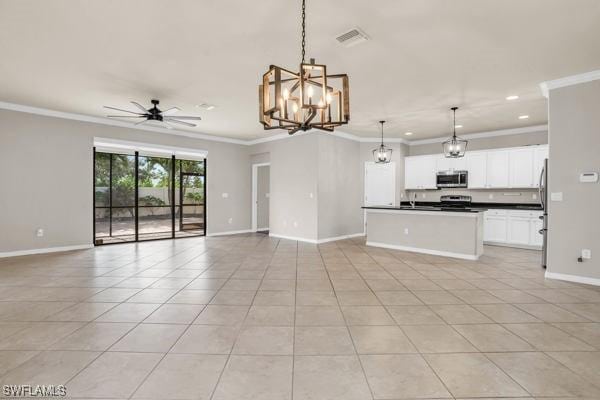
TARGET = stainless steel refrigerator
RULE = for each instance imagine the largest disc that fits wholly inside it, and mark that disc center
(543, 193)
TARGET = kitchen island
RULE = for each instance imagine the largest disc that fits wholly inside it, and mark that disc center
(449, 232)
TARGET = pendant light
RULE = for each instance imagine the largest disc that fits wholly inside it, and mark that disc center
(455, 147)
(382, 154)
(303, 100)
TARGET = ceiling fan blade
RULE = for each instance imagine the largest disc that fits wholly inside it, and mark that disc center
(171, 110)
(168, 125)
(142, 122)
(126, 116)
(141, 107)
(176, 121)
(127, 111)
(186, 117)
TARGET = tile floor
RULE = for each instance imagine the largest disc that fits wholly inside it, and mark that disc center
(249, 317)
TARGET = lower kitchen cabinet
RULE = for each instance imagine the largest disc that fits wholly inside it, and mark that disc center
(516, 228)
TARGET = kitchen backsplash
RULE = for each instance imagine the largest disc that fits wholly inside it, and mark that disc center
(480, 196)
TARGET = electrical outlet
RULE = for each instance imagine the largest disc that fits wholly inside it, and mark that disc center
(586, 254)
(284, 222)
(534, 196)
(491, 196)
(401, 195)
(230, 221)
(295, 224)
(225, 195)
(424, 195)
(311, 195)
(406, 231)
(267, 195)
(39, 232)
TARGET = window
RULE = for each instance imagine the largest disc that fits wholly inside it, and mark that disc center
(143, 197)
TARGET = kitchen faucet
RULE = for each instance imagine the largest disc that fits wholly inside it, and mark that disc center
(413, 200)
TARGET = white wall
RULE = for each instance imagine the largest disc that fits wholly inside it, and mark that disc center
(263, 179)
(340, 190)
(46, 179)
(574, 223)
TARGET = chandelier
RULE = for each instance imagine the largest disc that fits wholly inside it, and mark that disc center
(303, 100)
(454, 147)
(382, 154)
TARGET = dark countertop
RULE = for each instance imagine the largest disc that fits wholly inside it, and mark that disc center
(475, 205)
(428, 208)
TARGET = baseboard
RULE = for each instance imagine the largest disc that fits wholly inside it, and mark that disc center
(424, 251)
(44, 251)
(230, 232)
(573, 278)
(513, 246)
(335, 239)
(262, 229)
(316, 241)
(297, 239)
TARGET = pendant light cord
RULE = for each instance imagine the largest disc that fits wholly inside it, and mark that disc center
(454, 124)
(303, 28)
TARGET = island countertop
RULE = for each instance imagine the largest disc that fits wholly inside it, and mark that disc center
(426, 208)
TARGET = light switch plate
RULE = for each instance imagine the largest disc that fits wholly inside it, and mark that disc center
(556, 196)
(586, 254)
(225, 195)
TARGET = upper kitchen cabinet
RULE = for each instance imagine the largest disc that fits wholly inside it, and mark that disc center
(497, 174)
(477, 168)
(450, 164)
(521, 168)
(420, 172)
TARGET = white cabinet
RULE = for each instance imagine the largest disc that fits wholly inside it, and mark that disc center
(497, 169)
(450, 164)
(494, 226)
(476, 164)
(380, 184)
(420, 172)
(518, 168)
(513, 227)
(521, 168)
(540, 153)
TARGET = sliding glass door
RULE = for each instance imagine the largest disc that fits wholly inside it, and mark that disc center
(143, 197)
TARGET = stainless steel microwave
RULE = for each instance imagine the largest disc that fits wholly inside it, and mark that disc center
(452, 179)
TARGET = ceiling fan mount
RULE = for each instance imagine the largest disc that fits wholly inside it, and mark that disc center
(154, 113)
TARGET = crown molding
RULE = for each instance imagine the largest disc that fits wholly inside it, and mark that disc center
(280, 136)
(114, 122)
(501, 132)
(547, 86)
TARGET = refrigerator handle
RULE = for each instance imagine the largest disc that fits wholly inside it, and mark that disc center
(541, 189)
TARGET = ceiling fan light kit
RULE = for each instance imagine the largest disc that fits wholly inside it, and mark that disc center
(154, 113)
(303, 100)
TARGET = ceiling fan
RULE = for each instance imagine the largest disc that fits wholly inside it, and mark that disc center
(155, 114)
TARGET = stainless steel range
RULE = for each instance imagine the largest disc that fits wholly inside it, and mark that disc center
(455, 201)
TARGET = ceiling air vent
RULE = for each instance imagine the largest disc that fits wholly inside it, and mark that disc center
(352, 37)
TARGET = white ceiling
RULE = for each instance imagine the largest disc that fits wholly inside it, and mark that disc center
(424, 56)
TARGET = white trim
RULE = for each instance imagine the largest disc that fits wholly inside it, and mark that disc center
(547, 86)
(466, 214)
(147, 148)
(204, 136)
(316, 241)
(501, 132)
(297, 239)
(114, 122)
(262, 229)
(46, 250)
(254, 199)
(513, 246)
(230, 232)
(572, 278)
(425, 251)
(343, 237)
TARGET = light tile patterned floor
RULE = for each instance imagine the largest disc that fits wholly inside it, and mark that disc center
(249, 317)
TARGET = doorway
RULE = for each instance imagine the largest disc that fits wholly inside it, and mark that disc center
(261, 186)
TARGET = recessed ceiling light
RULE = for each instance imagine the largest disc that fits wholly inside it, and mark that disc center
(523, 116)
(206, 106)
(408, 133)
(513, 97)
(458, 126)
